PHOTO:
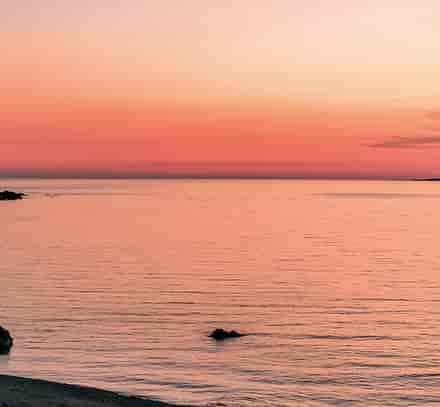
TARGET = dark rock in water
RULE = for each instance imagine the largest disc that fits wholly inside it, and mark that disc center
(11, 196)
(6, 340)
(221, 334)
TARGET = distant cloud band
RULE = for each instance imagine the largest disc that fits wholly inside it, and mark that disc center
(433, 115)
(408, 142)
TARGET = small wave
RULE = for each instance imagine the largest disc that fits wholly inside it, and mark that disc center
(417, 376)
(351, 337)
(377, 195)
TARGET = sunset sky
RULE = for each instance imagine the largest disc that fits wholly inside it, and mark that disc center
(307, 88)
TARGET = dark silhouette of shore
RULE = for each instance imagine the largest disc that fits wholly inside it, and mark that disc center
(21, 392)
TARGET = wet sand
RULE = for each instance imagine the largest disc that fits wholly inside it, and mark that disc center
(21, 392)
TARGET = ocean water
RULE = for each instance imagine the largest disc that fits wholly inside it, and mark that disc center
(117, 284)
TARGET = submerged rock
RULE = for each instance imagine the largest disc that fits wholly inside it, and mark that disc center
(11, 196)
(221, 334)
(6, 340)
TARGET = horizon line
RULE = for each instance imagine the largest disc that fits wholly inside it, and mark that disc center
(212, 177)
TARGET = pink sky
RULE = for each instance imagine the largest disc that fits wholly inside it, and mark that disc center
(300, 88)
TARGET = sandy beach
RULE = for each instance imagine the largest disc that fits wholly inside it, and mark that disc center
(21, 392)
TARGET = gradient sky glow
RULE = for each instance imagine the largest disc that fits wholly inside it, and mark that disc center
(341, 88)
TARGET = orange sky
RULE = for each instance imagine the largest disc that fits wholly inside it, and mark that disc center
(341, 88)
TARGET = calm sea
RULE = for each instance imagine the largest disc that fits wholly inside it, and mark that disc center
(117, 284)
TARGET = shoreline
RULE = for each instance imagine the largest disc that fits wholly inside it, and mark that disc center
(23, 392)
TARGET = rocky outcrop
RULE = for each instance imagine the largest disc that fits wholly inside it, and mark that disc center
(221, 334)
(6, 340)
(11, 196)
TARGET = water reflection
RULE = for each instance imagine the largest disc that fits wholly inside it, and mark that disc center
(4, 359)
(341, 296)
